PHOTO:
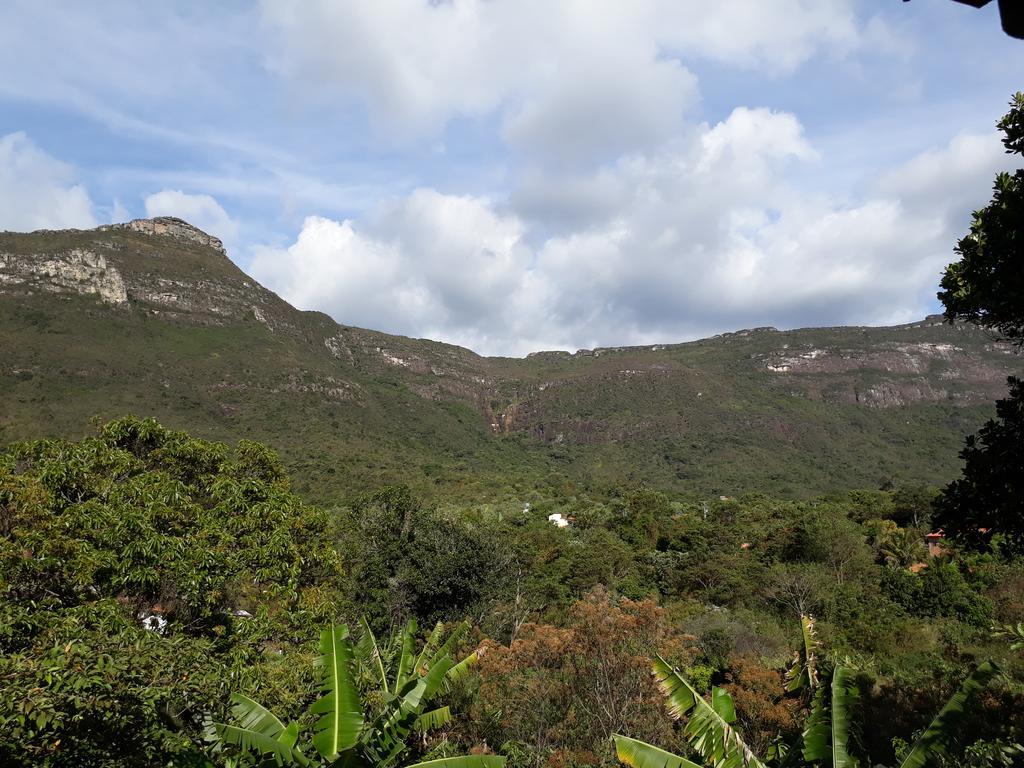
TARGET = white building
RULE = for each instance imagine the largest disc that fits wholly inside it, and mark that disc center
(556, 519)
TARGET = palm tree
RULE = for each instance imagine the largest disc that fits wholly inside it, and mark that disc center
(826, 735)
(903, 548)
(346, 734)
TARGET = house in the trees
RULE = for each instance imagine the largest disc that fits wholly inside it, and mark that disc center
(934, 542)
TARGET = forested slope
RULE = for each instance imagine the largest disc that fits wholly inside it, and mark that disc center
(153, 318)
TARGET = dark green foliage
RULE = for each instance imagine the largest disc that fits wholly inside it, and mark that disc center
(939, 591)
(410, 562)
(448, 569)
(987, 284)
(642, 512)
(141, 523)
(912, 505)
(716, 646)
(984, 506)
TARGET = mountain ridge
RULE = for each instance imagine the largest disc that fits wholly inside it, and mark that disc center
(151, 316)
(176, 228)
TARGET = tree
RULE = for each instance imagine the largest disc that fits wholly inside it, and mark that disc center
(348, 731)
(409, 562)
(902, 548)
(987, 286)
(826, 740)
(140, 571)
(983, 508)
(558, 693)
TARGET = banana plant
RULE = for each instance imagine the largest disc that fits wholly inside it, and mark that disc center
(396, 663)
(709, 728)
(938, 736)
(803, 674)
(345, 733)
(826, 734)
(826, 738)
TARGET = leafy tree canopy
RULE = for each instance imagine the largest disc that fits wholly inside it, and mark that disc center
(987, 286)
(983, 507)
(127, 561)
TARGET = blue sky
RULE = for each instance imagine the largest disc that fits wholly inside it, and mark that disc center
(514, 176)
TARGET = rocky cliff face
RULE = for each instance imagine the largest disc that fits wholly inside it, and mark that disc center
(159, 266)
(76, 270)
(166, 267)
(169, 226)
(900, 371)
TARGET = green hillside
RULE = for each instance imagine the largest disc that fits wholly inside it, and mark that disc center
(152, 318)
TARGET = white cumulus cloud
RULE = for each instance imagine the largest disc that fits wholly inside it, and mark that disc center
(705, 234)
(569, 81)
(429, 265)
(37, 191)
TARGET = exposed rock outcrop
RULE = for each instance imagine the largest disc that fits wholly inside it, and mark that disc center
(175, 270)
(76, 271)
(169, 226)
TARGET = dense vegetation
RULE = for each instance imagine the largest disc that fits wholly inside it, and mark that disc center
(106, 539)
(987, 285)
(145, 575)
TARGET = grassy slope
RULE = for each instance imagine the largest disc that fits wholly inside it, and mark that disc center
(630, 415)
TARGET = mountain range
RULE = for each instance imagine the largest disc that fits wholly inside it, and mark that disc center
(151, 317)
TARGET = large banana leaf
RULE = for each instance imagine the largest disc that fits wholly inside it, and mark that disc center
(369, 654)
(406, 660)
(939, 734)
(435, 677)
(434, 719)
(639, 754)
(340, 710)
(433, 652)
(844, 693)
(417, 694)
(429, 648)
(827, 731)
(804, 672)
(459, 671)
(391, 729)
(253, 716)
(448, 647)
(290, 735)
(259, 730)
(817, 735)
(721, 702)
(253, 741)
(464, 761)
(707, 731)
